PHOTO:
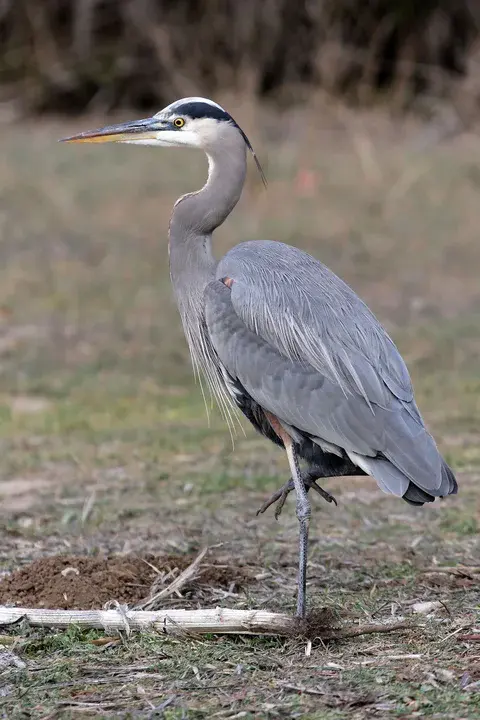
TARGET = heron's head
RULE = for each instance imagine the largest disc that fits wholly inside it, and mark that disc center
(192, 122)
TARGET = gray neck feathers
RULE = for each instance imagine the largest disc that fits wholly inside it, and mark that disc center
(196, 215)
(194, 218)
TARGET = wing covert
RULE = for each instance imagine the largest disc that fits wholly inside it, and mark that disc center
(297, 394)
(310, 316)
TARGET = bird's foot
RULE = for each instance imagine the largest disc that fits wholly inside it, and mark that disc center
(281, 495)
(278, 497)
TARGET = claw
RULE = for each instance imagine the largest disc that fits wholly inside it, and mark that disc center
(323, 493)
(285, 491)
(281, 495)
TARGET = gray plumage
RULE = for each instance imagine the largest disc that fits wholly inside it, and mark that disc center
(280, 337)
(319, 360)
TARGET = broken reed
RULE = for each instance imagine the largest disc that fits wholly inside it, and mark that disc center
(221, 621)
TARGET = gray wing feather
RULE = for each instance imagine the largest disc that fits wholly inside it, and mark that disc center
(308, 350)
(310, 315)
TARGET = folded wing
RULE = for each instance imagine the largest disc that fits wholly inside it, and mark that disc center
(308, 350)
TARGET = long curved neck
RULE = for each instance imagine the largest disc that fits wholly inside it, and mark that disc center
(194, 218)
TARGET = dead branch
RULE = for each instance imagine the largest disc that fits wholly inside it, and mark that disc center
(174, 622)
(168, 622)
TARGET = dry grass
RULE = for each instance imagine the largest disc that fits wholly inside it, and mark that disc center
(105, 446)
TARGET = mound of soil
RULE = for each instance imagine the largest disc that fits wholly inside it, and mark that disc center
(71, 582)
(76, 583)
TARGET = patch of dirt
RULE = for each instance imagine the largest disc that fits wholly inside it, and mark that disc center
(20, 493)
(28, 404)
(83, 583)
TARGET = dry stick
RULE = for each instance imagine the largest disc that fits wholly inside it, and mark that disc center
(302, 689)
(175, 585)
(170, 622)
(367, 630)
(461, 570)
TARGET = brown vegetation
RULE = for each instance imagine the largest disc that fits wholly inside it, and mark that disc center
(66, 56)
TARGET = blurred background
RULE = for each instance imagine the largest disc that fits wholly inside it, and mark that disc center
(365, 116)
(67, 56)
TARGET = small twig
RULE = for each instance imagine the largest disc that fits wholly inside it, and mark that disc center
(404, 656)
(94, 705)
(368, 630)
(88, 507)
(455, 632)
(303, 689)
(154, 567)
(163, 705)
(461, 570)
(380, 608)
(445, 607)
(175, 585)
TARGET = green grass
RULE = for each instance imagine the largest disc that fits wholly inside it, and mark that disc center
(97, 401)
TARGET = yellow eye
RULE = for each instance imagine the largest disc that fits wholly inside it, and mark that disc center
(179, 122)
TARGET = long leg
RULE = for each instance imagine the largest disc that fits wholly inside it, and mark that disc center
(303, 516)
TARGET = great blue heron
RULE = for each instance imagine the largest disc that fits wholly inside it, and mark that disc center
(278, 335)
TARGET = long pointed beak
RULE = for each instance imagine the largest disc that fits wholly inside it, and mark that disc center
(132, 131)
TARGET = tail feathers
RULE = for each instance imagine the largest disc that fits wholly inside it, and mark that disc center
(416, 496)
(392, 480)
(389, 478)
(449, 481)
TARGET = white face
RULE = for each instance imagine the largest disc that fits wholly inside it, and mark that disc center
(177, 125)
(197, 133)
(168, 128)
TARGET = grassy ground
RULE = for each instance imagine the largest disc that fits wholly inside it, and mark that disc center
(106, 448)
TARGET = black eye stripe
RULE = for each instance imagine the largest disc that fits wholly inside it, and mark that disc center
(197, 110)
